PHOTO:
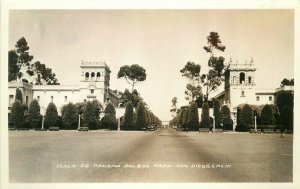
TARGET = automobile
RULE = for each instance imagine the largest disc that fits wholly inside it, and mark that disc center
(150, 128)
(156, 126)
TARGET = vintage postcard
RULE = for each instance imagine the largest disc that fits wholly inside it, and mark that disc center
(198, 94)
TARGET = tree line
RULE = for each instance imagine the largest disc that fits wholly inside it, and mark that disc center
(30, 117)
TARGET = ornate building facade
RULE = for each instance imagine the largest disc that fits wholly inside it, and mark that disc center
(93, 84)
(240, 88)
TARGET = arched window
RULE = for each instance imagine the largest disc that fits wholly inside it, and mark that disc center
(233, 79)
(98, 75)
(87, 75)
(92, 76)
(249, 80)
(242, 78)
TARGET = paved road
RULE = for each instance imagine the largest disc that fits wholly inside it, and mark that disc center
(164, 155)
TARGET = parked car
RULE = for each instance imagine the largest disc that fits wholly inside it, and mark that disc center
(151, 127)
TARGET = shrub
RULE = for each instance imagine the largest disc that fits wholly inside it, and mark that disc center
(147, 118)
(80, 107)
(110, 117)
(185, 117)
(98, 124)
(59, 122)
(181, 116)
(17, 114)
(275, 111)
(69, 116)
(140, 116)
(97, 107)
(109, 122)
(128, 116)
(110, 109)
(266, 117)
(225, 115)
(246, 117)
(286, 117)
(34, 115)
(51, 117)
(205, 121)
(217, 113)
(284, 98)
(88, 116)
(193, 117)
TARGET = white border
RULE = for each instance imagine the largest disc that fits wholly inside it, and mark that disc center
(143, 4)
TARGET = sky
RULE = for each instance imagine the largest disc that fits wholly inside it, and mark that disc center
(161, 41)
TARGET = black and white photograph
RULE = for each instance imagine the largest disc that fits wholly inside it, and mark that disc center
(157, 95)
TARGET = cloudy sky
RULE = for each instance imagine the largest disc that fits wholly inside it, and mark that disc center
(161, 41)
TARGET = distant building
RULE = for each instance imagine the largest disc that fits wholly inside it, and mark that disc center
(93, 84)
(240, 88)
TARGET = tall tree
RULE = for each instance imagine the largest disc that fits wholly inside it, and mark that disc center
(13, 66)
(246, 116)
(132, 74)
(266, 117)
(128, 116)
(213, 78)
(140, 116)
(287, 82)
(34, 114)
(174, 106)
(17, 114)
(22, 49)
(205, 118)
(23, 56)
(69, 116)
(20, 61)
(19, 95)
(128, 96)
(42, 74)
(51, 117)
(191, 71)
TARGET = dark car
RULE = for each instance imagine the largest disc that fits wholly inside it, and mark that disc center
(151, 128)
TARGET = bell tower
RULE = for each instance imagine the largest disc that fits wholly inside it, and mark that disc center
(240, 83)
(94, 81)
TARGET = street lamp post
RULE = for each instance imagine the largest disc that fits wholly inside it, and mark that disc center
(255, 123)
(79, 121)
(43, 120)
(214, 123)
